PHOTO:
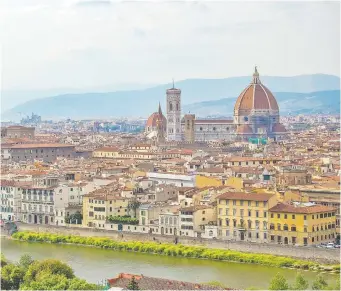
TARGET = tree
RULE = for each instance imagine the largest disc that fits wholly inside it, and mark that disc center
(279, 283)
(25, 261)
(319, 283)
(51, 266)
(133, 205)
(133, 284)
(300, 283)
(11, 277)
(79, 284)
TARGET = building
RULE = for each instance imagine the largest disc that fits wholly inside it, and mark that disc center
(256, 115)
(192, 219)
(256, 112)
(154, 122)
(18, 131)
(149, 283)
(293, 175)
(48, 152)
(175, 179)
(173, 99)
(38, 200)
(169, 223)
(106, 152)
(244, 216)
(302, 224)
(98, 205)
(188, 127)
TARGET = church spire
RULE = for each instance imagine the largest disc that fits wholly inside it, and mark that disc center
(160, 111)
(256, 76)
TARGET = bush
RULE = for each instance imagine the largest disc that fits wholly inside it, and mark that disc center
(172, 250)
(123, 220)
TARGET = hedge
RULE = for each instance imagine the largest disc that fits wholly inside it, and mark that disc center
(174, 250)
(123, 220)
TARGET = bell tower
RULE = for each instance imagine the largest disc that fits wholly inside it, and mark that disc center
(173, 98)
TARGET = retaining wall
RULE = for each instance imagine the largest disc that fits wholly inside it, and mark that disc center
(312, 253)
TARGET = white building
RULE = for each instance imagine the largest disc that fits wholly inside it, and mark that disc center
(178, 180)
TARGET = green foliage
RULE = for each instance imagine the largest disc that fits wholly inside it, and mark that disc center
(41, 275)
(216, 284)
(11, 277)
(3, 260)
(279, 283)
(25, 261)
(74, 218)
(300, 283)
(319, 283)
(50, 266)
(133, 284)
(170, 250)
(123, 220)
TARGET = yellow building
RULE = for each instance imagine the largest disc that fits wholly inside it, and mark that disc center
(97, 206)
(106, 152)
(203, 181)
(302, 224)
(244, 216)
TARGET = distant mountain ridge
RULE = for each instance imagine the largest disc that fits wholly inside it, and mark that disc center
(200, 96)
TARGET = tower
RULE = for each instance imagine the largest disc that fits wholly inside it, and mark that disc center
(160, 137)
(189, 131)
(173, 97)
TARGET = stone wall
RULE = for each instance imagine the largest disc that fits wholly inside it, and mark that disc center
(321, 255)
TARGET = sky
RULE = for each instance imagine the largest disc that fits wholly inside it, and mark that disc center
(99, 43)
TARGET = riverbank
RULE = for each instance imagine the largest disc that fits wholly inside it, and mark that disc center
(319, 255)
(176, 251)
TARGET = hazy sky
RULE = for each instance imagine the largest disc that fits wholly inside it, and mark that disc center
(84, 44)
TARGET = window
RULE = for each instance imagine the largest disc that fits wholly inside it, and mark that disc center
(264, 214)
(227, 211)
(272, 215)
(285, 216)
(249, 203)
(293, 216)
(234, 202)
(227, 221)
(293, 228)
(305, 217)
(241, 202)
(285, 227)
(257, 203)
(241, 212)
(249, 213)
(278, 215)
(264, 203)
(234, 223)
(257, 213)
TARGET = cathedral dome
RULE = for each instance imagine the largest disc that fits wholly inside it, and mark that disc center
(153, 119)
(255, 97)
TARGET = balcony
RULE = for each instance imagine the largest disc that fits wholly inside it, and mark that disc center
(241, 227)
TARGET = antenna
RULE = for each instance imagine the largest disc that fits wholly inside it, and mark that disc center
(173, 83)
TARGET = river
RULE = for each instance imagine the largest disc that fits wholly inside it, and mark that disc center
(94, 265)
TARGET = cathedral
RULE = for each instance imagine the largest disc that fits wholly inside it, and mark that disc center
(255, 115)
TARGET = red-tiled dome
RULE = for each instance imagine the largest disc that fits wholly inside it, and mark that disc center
(244, 129)
(256, 96)
(152, 120)
(278, 127)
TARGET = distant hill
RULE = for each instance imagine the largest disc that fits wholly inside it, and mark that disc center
(327, 102)
(201, 96)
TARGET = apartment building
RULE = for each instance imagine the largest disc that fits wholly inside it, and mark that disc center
(192, 219)
(98, 205)
(244, 216)
(302, 224)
